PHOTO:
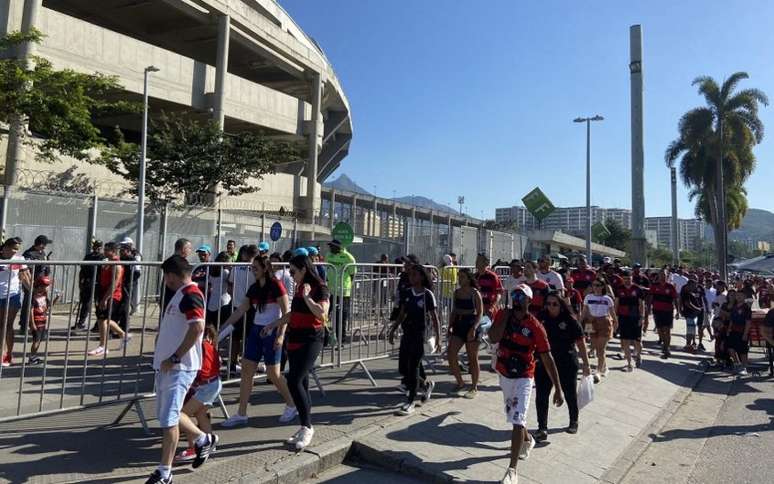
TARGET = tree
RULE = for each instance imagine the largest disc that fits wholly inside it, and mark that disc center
(190, 158)
(58, 105)
(616, 235)
(659, 257)
(698, 148)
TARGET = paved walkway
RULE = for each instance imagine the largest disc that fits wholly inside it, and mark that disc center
(449, 438)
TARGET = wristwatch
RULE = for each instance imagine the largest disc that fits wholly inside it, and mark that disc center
(174, 359)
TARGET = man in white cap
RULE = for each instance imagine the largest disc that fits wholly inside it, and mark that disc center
(520, 336)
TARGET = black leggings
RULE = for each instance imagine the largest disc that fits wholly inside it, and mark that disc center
(412, 349)
(568, 374)
(301, 362)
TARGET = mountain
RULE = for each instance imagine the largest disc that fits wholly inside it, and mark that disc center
(425, 203)
(346, 184)
(757, 225)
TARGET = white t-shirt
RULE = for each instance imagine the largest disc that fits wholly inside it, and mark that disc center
(679, 281)
(218, 295)
(509, 284)
(242, 278)
(599, 306)
(9, 276)
(185, 307)
(552, 278)
(709, 296)
(283, 275)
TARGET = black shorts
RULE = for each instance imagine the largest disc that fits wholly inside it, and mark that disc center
(461, 327)
(39, 334)
(114, 311)
(629, 328)
(736, 343)
(663, 319)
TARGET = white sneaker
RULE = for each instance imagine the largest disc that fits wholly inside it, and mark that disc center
(99, 350)
(294, 438)
(510, 476)
(304, 438)
(596, 377)
(234, 421)
(526, 447)
(405, 410)
(288, 415)
(429, 386)
(261, 368)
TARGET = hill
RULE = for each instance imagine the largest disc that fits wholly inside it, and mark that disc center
(757, 225)
(346, 184)
(425, 202)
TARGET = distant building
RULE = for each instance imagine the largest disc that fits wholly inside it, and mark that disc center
(689, 232)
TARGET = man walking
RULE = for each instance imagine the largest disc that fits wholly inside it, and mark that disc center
(86, 284)
(663, 300)
(176, 360)
(340, 281)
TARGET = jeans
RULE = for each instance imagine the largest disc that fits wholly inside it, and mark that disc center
(410, 354)
(567, 367)
(302, 361)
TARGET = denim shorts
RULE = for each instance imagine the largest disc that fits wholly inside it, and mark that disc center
(13, 302)
(257, 347)
(209, 392)
(171, 388)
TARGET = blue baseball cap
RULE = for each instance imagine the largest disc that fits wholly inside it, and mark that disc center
(312, 250)
(263, 247)
(204, 248)
(301, 251)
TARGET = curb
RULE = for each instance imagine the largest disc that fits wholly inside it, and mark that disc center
(624, 463)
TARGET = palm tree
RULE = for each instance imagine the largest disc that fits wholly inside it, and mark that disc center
(725, 129)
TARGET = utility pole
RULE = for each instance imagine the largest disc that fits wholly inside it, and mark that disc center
(638, 152)
(675, 236)
(143, 156)
(588, 179)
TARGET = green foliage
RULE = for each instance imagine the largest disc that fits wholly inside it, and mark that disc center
(616, 235)
(59, 105)
(190, 158)
(659, 257)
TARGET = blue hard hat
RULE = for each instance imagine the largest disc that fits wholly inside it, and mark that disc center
(312, 250)
(301, 251)
(263, 247)
(204, 248)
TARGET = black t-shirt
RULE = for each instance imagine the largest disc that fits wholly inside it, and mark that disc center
(562, 333)
(692, 302)
(87, 272)
(739, 317)
(37, 270)
(416, 307)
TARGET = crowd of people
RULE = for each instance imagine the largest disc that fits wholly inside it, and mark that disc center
(543, 322)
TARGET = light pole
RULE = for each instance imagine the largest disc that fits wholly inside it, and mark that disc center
(588, 179)
(143, 150)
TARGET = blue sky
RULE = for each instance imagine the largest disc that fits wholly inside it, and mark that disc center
(476, 98)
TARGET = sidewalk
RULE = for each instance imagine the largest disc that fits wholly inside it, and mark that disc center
(449, 438)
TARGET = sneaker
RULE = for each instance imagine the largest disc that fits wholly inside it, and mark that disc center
(294, 438)
(605, 373)
(629, 368)
(510, 477)
(526, 448)
(742, 371)
(668, 353)
(34, 360)
(78, 327)
(664, 356)
(288, 415)
(541, 435)
(429, 386)
(304, 438)
(596, 377)
(187, 455)
(471, 394)
(235, 420)
(156, 478)
(402, 388)
(98, 351)
(701, 347)
(638, 361)
(261, 368)
(573, 428)
(405, 410)
(618, 356)
(203, 452)
(6, 360)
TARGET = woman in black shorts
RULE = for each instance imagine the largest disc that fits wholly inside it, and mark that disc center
(464, 329)
(738, 330)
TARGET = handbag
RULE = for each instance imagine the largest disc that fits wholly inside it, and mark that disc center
(585, 391)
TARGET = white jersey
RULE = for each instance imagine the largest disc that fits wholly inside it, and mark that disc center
(599, 306)
(552, 278)
(185, 308)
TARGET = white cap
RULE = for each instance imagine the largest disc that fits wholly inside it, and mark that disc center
(127, 241)
(447, 259)
(525, 289)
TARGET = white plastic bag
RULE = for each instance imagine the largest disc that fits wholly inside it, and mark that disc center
(585, 391)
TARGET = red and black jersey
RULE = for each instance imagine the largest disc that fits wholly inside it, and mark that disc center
(540, 290)
(490, 287)
(629, 300)
(662, 296)
(304, 325)
(582, 278)
(576, 299)
(106, 280)
(192, 303)
(615, 281)
(268, 294)
(518, 345)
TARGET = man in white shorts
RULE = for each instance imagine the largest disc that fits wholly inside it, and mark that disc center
(177, 359)
(520, 336)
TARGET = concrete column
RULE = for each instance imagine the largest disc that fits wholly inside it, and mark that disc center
(394, 222)
(638, 152)
(332, 220)
(449, 235)
(432, 229)
(221, 69)
(373, 218)
(15, 149)
(310, 172)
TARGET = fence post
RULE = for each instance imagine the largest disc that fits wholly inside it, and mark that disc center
(92, 222)
(263, 226)
(163, 230)
(219, 229)
(295, 231)
(4, 211)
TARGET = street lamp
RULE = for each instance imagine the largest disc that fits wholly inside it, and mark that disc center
(143, 150)
(588, 179)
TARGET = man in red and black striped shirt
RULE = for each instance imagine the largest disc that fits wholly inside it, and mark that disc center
(662, 298)
(583, 276)
(489, 285)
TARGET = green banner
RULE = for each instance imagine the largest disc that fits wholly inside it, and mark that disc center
(538, 204)
(343, 233)
(599, 231)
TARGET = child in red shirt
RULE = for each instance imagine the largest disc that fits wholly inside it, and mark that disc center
(38, 322)
(204, 391)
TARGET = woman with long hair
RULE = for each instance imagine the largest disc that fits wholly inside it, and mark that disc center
(269, 300)
(599, 310)
(565, 336)
(305, 334)
(464, 329)
(417, 306)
